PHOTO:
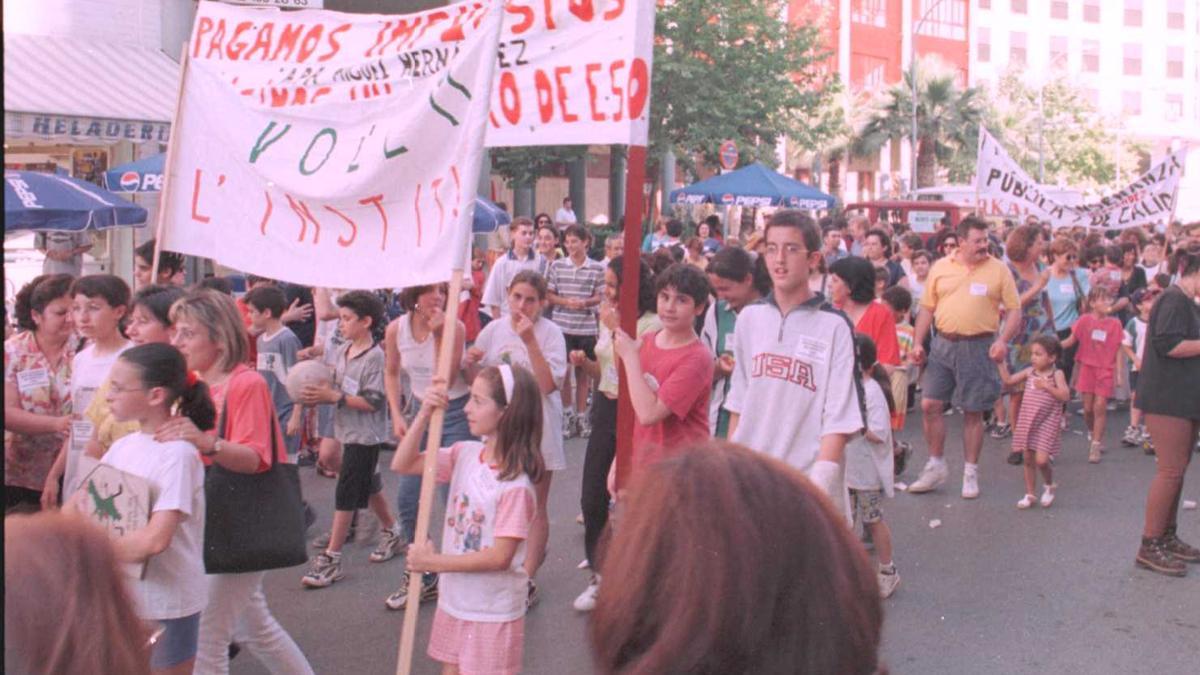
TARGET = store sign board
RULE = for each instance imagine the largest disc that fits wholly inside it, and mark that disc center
(69, 128)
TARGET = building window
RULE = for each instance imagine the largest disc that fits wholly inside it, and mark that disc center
(867, 72)
(1133, 59)
(1133, 13)
(1019, 7)
(1058, 52)
(1091, 56)
(869, 12)
(1091, 11)
(983, 46)
(946, 20)
(1175, 62)
(1016, 48)
(1059, 9)
(1131, 103)
(1175, 14)
(1174, 107)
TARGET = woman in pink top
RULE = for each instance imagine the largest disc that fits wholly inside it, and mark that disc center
(210, 334)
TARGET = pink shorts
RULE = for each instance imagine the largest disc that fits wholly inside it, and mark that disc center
(1094, 380)
(478, 647)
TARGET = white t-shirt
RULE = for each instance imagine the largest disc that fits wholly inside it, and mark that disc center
(501, 344)
(869, 465)
(479, 508)
(565, 216)
(174, 585)
(1134, 337)
(794, 381)
(507, 266)
(419, 360)
(88, 372)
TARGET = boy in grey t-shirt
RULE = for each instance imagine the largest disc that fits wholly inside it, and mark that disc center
(276, 346)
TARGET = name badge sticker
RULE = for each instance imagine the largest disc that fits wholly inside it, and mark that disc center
(81, 433)
(1099, 335)
(350, 386)
(1066, 289)
(979, 290)
(36, 378)
(730, 343)
(812, 350)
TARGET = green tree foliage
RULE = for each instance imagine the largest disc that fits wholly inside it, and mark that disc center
(523, 166)
(948, 118)
(1078, 144)
(734, 69)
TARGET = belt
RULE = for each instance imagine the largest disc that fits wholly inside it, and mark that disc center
(958, 337)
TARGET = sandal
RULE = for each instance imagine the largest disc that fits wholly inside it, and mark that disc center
(1026, 502)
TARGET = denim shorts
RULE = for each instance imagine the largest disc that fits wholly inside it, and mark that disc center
(962, 372)
(177, 643)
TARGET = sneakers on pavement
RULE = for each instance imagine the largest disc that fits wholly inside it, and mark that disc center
(1132, 437)
(391, 544)
(932, 477)
(1026, 502)
(901, 456)
(970, 487)
(531, 598)
(1094, 453)
(399, 599)
(1001, 430)
(568, 425)
(1016, 458)
(888, 582)
(586, 601)
(583, 425)
(325, 570)
(1048, 495)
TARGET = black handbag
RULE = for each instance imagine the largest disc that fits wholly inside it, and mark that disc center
(253, 521)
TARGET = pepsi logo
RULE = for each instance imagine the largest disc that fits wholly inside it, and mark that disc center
(726, 199)
(130, 181)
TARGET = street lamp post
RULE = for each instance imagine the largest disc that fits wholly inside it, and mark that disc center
(912, 64)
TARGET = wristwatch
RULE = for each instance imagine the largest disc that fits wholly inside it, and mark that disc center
(341, 400)
(216, 448)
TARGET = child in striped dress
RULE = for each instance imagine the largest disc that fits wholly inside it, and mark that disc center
(1038, 435)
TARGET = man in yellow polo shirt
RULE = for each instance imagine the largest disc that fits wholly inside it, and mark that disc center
(963, 297)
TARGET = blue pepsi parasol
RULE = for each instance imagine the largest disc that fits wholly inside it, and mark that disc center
(753, 185)
(143, 175)
(43, 201)
(488, 216)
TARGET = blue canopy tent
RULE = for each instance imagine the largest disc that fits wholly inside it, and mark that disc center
(44, 201)
(145, 175)
(753, 185)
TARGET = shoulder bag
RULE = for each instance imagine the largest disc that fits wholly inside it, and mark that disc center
(253, 521)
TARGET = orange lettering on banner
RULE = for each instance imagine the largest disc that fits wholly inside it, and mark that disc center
(510, 98)
(559, 72)
(262, 227)
(520, 10)
(263, 41)
(550, 25)
(590, 68)
(545, 95)
(214, 45)
(196, 199)
(305, 216)
(287, 40)
(309, 44)
(342, 241)
(618, 92)
(236, 46)
(582, 9)
(615, 11)
(377, 201)
(334, 45)
(639, 74)
(202, 29)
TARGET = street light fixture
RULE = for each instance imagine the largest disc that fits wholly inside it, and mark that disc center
(912, 64)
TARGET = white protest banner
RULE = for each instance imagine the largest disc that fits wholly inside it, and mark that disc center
(573, 72)
(332, 149)
(1149, 199)
(998, 177)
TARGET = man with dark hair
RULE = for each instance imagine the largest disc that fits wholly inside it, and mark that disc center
(576, 284)
(877, 248)
(795, 395)
(169, 265)
(963, 297)
(566, 214)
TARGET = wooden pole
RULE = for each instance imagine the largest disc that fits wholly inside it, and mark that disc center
(628, 301)
(164, 196)
(408, 632)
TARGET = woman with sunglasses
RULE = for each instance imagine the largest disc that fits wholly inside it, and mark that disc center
(1067, 289)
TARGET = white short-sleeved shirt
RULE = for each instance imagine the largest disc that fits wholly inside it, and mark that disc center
(507, 266)
(174, 585)
(501, 344)
(419, 360)
(794, 380)
(481, 507)
(869, 465)
(1135, 337)
(88, 372)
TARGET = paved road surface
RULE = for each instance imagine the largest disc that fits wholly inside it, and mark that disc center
(992, 590)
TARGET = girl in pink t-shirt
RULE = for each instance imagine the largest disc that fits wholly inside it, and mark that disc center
(1099, 338)
(480, 621)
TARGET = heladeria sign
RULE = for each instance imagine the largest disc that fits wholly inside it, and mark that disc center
(65, 128)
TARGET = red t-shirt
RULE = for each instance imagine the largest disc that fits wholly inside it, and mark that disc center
(1099, 340)
(251, 343)
(682, 378)
(879, 324)
(249, 415)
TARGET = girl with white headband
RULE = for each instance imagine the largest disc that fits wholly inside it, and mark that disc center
(479, 626)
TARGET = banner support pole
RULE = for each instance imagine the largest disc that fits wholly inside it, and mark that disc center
(167, 166)
(631, 259)
(408, 632)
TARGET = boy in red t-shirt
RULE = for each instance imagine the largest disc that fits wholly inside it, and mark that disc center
(669, 371)
(1099, 338)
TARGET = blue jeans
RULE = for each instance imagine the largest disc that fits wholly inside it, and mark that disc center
(454, 429)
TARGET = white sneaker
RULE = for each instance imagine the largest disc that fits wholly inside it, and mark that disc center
(888, 583)
(932, 477)
(1026, 502)
(1048, 496)
(586, 601)
(970, 488)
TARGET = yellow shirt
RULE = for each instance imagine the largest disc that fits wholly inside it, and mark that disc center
(967, 301)
(108, 429)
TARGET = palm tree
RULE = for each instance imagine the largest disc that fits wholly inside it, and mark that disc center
(947, 121)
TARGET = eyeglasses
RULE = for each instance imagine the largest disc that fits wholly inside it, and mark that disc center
(788, 249)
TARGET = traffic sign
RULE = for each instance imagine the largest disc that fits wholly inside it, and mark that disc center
(728, 155)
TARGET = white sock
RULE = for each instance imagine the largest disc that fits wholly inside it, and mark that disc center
(969, 468)
(937, 461)
(889, 568)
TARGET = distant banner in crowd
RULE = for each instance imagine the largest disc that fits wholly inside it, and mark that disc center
(332, 149)
(1149, 199)
(573, 72)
